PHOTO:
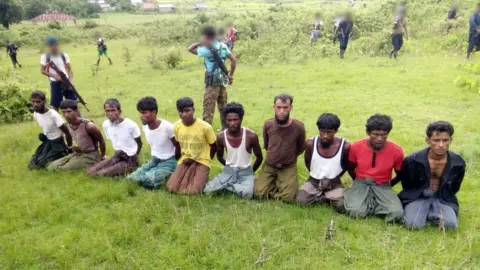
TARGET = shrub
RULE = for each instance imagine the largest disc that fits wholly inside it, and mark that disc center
(14, 104)
(127, 54)
(54, 25)
(172, 58)
(94, 16)
(90, 24)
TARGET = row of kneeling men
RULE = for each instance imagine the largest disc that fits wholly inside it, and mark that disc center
(182, 153)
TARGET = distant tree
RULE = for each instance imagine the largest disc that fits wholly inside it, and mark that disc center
(11, 12)
(33, 8)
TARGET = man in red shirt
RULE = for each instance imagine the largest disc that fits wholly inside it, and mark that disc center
(371, 162)
(231, 36)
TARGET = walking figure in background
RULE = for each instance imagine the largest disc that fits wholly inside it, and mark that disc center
(398, 31)
(343, 32)
(474, 33)
(102, 50)
(12, 52)
(316, 28)
(452, 13)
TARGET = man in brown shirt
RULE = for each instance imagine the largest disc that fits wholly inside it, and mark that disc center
(283, 139)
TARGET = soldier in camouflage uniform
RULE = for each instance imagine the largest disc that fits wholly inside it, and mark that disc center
(215, 78)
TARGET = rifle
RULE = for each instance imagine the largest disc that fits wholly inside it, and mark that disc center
(219, 61)
(68, 84)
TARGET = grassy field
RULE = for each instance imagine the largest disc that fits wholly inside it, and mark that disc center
(67, 220)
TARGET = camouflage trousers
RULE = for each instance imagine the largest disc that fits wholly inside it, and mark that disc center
(214, 94)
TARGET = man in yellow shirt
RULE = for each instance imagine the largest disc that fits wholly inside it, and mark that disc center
(196, 145)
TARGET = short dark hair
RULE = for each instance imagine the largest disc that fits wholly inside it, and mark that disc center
(233, 107)
(148, 103)
(379, 122)
(69, 104)
(440, 126)
(112, 102)
(283, 97)
(38, 94)
(328, 121)
(209, 31)
(184, 102)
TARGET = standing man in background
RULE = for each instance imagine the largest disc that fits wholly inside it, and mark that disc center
(12, 52)
(343, 32)
(58, 90)
(102, 50)
(399, 29)
(231, 36)
(316, 27)
(215, 78)
(474, 33)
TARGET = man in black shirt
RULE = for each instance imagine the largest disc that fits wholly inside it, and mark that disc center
(12, 52)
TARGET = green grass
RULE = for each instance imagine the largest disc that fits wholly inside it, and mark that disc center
(67, 220)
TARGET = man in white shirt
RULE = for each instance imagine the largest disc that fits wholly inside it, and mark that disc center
(53, 128)
(161, 138)
(58, 90)
(126, 140)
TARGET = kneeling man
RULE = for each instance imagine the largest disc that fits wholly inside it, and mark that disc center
(284, 140)
(86, 135)
(126, 140)
(431, 179)
(196, 145)
(326, 158)
(240, 142)
(159, 134)
(371, 162)
(52, 137)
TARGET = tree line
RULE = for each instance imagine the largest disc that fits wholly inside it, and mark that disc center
(14, 11)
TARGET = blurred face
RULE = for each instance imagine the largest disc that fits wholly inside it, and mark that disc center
(378, 139)
(186, 115)
(327, 137)
(439, 142)
(233, 122)
(53, 48)
(147, 117)
(69, 114)
(38, 104)
(282, 111)
(112, 113)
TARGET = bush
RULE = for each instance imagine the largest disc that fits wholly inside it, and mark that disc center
(54, 25)
(14, 101)
(90, 24)
(172, 58)
(94, 16)
(127, 54)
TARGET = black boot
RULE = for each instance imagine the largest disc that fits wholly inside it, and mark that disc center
(110, 60)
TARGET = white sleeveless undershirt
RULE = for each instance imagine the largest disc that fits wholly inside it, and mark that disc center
(238, 157)
(326, 168)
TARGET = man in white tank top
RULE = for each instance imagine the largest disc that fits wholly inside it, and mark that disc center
(326, 158)
(240, 142)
